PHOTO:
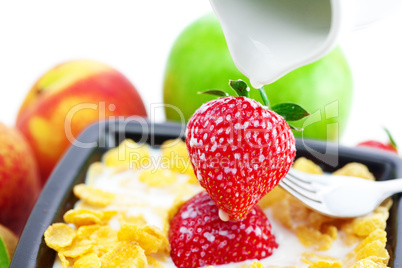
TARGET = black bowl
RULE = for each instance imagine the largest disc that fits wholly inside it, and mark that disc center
(57, 197)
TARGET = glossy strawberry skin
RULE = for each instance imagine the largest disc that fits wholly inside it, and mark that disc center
(239, 151)
(199, 238)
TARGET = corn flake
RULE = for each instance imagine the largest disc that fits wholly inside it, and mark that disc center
(102, 239)
(176, 151)
(90, 260)
(150, 238)
(257, 265)
(93, 196)
(77, 248)
(158, 178)
(179, 161)
(306, 165)
(311, 258)
(64, 262)
(128, 155)
(125, 254)
(387, 203)
(138, 220)
(356, 170)
(330, 230)
(80, 217)
(85, 231)
(326, 264)
(311, 237)
(94, 170)
(363, 226)
(191, 177)
(374, 248)
(275, 195)
(317, 220)
(281, 212)
(106, 215)
(373, 245)
(177, 203)
(298, 211)
(154, 262)
(59, 235)
(368, 263)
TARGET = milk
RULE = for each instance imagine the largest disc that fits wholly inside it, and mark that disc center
(269, 38)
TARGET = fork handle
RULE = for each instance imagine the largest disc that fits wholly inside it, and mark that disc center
(391, 187)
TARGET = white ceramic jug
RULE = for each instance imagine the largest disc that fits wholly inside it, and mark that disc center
(269, 38)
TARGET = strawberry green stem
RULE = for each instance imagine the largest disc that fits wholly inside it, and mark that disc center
(391, 139)
(264, 97)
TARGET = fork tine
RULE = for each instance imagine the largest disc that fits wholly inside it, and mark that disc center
(299, 192)
(305, 185)
(290, 174)
(311, 179)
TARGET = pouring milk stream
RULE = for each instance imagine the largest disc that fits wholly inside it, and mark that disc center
(269, 38)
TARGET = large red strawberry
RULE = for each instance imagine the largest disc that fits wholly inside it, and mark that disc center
(240, 150)
(199, 238)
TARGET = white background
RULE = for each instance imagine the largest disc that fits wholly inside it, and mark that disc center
(135, 37)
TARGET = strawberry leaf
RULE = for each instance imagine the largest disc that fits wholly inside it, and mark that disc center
(215, 92)
(4, 260)
(391, 139)
(264, 97)
(240, 87)
(290, 111)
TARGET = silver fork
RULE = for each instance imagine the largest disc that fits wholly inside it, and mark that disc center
(339, 196)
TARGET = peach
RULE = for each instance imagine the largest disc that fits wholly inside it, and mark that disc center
(19, 179)
(67, 99)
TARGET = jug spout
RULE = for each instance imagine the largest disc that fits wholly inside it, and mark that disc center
(269, 38)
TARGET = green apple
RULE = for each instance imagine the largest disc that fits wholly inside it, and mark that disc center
(4, 259)
(8, 243)
(199, 60)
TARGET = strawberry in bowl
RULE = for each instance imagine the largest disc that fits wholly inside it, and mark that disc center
(198, 237)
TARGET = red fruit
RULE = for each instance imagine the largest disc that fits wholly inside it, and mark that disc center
(390, 146)
(19, 179)
(199, 238)
(239, 151)
(379, 145)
